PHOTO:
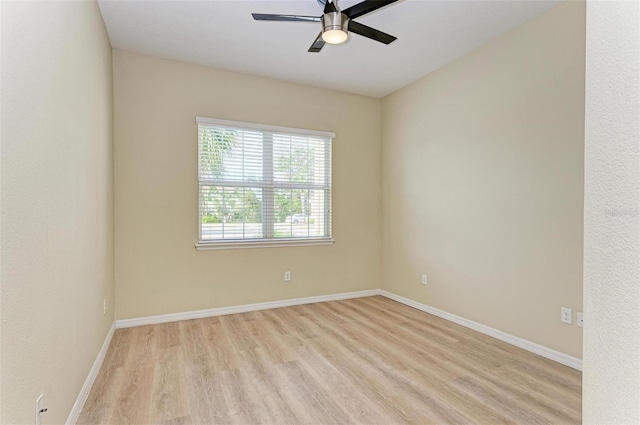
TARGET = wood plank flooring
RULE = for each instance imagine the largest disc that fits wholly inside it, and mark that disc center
(365, 361)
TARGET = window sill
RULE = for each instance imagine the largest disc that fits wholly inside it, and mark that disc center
(208, 246)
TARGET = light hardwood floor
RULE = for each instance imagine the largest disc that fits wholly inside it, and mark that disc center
(367, 361)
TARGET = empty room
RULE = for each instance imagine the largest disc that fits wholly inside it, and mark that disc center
(320, 212)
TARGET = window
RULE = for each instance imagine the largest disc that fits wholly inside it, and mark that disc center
(262, 185)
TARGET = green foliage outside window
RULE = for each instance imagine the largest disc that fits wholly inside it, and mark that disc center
(235, 205)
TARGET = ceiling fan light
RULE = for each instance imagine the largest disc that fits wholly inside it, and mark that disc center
(334, 36)
(335, 27)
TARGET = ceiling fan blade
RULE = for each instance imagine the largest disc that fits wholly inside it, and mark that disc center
(290, 18)
(317, 45)
(365, 7)
(371, 33)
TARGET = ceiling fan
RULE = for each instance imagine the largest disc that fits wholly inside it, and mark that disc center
(337, 23)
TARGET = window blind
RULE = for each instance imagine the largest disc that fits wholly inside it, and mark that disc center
(262, 183)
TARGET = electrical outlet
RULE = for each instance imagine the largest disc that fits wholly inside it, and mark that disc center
(579, 319)
(40, 409)
(424, 279)
(287, 276)
(566, 315)
(104, 306)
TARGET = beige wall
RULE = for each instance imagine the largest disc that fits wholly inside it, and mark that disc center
(57, 205)
(483, 182)
(158, 269)
(611, 380)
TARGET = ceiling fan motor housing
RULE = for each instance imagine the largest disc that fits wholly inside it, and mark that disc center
(335, 21)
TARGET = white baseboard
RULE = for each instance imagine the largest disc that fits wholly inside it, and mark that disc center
(88, 383)
(174, 317)
(538, 349)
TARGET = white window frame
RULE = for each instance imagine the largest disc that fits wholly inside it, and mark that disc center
(266, 242)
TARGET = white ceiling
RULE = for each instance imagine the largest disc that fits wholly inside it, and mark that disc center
(222, 34)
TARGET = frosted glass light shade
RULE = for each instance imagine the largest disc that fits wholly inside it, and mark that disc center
(334, 36)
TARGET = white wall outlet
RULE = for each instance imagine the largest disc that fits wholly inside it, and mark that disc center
(424, 279)
(287, 276)
(104, 306)
(40, 409)
(566, 315)
(579, 320)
